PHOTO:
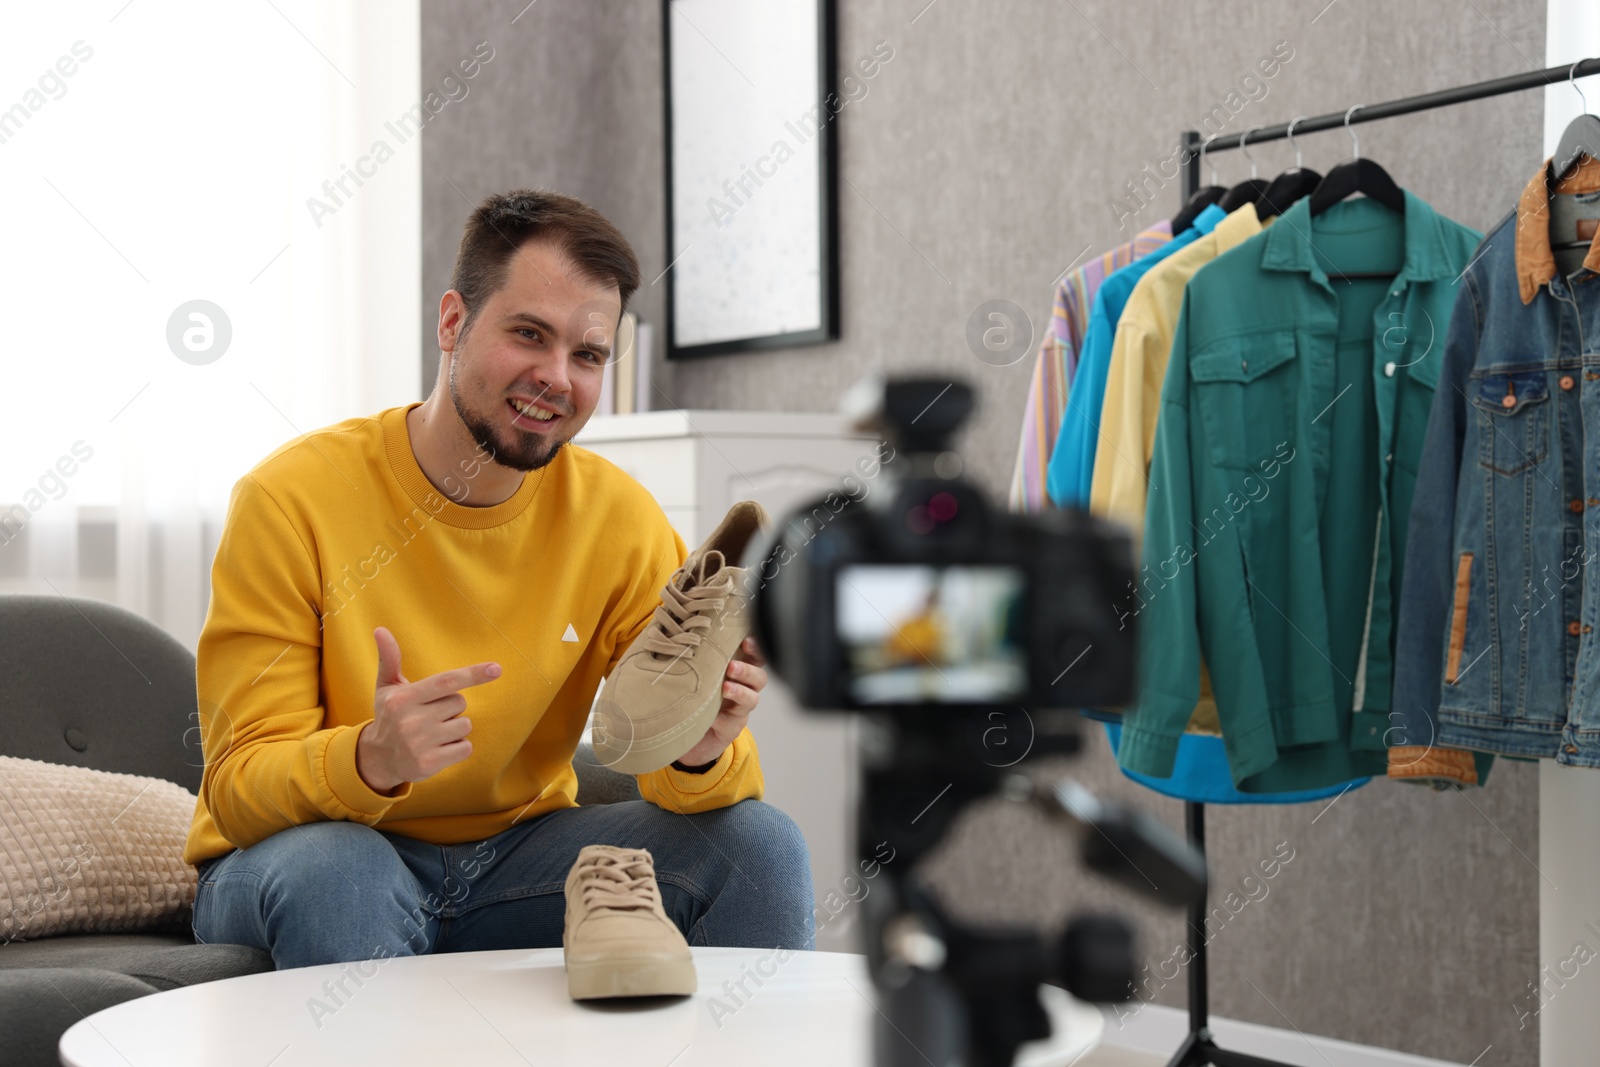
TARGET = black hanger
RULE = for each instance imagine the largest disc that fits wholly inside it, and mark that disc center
(1358, 176)
(1289, 186)
(1580, 138)
(1202, 199)
(1248, 191)
(1285, 189)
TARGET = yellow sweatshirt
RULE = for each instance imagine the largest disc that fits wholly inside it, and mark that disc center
(339, 532)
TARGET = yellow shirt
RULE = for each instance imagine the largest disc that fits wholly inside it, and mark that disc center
(1139, 354)
(338, 532)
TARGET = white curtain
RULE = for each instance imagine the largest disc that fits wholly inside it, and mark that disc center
(160, 152)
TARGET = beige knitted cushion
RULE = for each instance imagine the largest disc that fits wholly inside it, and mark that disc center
(86, 851)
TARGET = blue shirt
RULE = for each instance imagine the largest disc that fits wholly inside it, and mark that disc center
(1200, 774)
(1072, 461)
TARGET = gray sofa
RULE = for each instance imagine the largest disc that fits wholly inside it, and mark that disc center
(91, 684)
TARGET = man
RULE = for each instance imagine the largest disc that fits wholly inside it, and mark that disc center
(348, 812)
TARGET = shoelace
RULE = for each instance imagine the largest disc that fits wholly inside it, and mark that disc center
(625, 881)
(685, 609)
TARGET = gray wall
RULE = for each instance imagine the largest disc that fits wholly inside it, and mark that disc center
(983, 160)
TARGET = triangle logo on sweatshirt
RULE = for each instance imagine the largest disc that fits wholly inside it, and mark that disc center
(570, 635)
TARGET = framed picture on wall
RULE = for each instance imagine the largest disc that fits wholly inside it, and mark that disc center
(751, 175)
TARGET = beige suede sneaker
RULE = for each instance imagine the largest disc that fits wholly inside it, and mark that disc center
(618, 942)
(666, 690)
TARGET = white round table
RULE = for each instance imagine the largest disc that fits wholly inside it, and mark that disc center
(511, 1007)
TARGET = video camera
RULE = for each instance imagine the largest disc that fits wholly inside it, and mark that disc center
(921, 595)
(964, 636)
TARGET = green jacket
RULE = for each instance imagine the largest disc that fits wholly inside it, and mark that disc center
(1292, 416)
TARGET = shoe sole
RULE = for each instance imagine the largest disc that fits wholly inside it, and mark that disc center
(641, 974)
(658, 752)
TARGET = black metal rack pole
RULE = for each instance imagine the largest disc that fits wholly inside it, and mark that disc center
(1461, 94)
(1198, 1049)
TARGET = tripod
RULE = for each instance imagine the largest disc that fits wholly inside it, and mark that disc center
(953, 993)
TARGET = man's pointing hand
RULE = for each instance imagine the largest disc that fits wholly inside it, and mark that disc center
(417, 728)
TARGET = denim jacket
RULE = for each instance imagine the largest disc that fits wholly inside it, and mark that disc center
(1292, 416)
(1498, 609)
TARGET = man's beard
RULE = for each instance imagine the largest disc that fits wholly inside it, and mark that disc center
(520, 451)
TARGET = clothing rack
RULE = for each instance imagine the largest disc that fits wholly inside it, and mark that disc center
(1198, 1049)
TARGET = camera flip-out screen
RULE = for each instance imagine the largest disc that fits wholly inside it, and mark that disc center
(918, 634)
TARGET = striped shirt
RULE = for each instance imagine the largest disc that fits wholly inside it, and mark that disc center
(1058, 359)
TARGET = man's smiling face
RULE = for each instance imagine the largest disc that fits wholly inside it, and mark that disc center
(526, 376)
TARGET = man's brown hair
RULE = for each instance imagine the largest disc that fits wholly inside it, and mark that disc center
(504, 222)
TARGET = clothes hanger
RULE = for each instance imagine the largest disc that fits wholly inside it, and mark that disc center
(1289, 186)
(1357, 176)
(1580, 138)
(1248, 191)
(1202, 198)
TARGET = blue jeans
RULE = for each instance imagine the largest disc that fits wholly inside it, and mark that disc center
(336, 892)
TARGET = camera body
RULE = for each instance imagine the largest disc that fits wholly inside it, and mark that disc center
(920, 596)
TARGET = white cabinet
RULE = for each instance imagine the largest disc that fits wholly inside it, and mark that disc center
(697, 464)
